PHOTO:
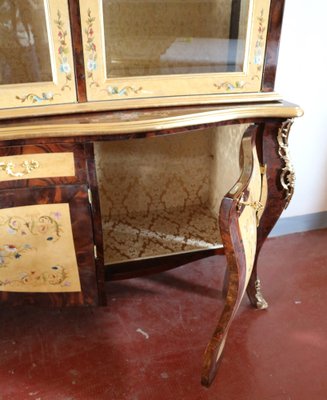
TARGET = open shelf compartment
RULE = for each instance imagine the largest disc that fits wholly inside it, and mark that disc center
(161, 196)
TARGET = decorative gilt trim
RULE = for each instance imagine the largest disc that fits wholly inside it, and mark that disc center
(287, 176)
(27, 166)
(37, 165)
(256, 205)
(261, 302)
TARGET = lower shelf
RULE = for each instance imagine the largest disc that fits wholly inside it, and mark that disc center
(137, 236)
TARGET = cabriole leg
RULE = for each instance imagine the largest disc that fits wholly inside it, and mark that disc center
(272, 147)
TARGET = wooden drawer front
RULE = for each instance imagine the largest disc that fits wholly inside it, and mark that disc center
(29, 166)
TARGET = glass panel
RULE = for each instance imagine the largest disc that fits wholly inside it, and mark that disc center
(158, 37)
(24, 42)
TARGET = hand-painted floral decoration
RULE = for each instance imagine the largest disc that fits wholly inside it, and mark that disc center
(18, 229)
(34, 98)
(231, 86)
(257, 59)
(124, 91)
(91, 49)
(259, 45)
(63, 50)
(47, 226)
(57, 275)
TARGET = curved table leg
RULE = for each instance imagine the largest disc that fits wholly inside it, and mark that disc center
(234, 286)
(272, 147)
(238, 227)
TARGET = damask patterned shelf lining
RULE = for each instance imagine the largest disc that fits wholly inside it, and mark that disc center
(142, 235)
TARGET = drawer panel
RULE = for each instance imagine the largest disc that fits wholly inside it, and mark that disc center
(42, 165)
(29, 166)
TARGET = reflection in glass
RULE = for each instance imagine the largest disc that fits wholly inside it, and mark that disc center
(158, 37)
(24, 43)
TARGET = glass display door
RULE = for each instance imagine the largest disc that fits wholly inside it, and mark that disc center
(36, 62)
(136, 49)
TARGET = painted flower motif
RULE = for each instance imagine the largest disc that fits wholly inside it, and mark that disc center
(10, 248)
(65, 68)
(42, 228)
(91, 50)
(258, 57)
(36, 98)
(47, 96)
(57, 215)
(63, 49)
(112, 89)
(124, 91)
(91, 65)
(11, 231)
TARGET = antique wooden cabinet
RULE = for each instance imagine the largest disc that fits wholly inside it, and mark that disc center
(138, 136)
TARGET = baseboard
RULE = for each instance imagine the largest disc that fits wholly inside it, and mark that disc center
(300, 223)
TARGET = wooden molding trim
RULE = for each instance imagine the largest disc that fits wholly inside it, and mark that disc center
(103, 125)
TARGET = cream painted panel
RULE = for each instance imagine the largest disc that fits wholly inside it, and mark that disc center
(248, 217)
(164, 86)
(29, 166)
(37, 252)
(61, 88)
(225, 164)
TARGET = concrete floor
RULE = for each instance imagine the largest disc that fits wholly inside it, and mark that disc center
(148, 343)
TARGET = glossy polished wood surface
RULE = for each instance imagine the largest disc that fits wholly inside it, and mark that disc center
(158, 121)
(273, 39)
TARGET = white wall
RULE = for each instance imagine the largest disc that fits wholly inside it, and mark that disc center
(302, 79)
